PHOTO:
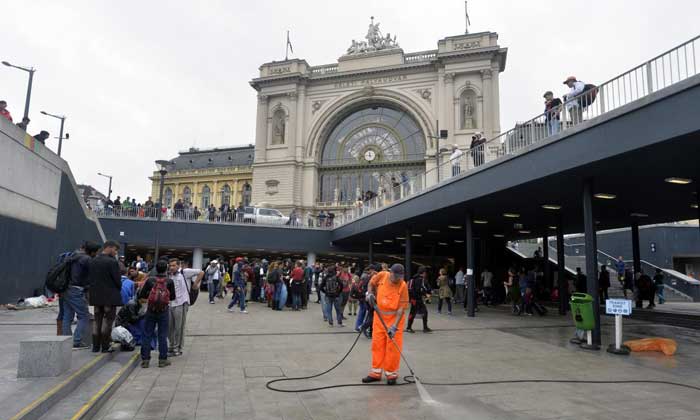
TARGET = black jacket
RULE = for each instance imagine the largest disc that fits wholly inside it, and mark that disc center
(148, 285)
(417, 288)
(105, 281)
(79, 269)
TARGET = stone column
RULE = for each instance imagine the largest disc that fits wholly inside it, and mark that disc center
(197, 258)
(291, 134)
(496, 92)
(450, 108)
(234, 194)
(261, 128)
(176, 193)
(300, 109)
(215, 193)
(194, 194)
(487, 114)
(310, 258)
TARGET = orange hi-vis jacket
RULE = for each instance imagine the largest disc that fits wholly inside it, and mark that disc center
(390, 298)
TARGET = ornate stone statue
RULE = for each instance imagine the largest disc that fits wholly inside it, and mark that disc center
(468, 118)
(278, 127)
(375, 41)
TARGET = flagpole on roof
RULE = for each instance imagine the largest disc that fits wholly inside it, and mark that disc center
(288, 48)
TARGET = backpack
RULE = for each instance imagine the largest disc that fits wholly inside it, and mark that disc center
(333, 286)
(587, 97)
(159, 296)
(58, 277)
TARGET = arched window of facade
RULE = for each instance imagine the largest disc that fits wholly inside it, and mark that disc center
(247, 192)
(206, 196)
(168, 197)
(226, 195)
(468, 110)
(187, 195)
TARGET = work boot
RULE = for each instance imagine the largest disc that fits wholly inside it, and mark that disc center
(427, 330)
(391, 381)
(410, 330)
(369, 379)
(145, 363)
(107, 345)
(163, 363)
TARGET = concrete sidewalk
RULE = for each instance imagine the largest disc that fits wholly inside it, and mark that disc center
(229, 358)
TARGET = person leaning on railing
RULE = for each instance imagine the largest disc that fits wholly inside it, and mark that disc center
(477, 150)
(573, 107)
(552, 112)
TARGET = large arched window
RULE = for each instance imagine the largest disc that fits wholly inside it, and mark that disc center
(226, 195)
(168, 197)
(366, 150)
(187, 195)
(206, 196)
(247, 192)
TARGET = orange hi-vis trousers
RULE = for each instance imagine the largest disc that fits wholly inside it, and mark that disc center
(385, 356)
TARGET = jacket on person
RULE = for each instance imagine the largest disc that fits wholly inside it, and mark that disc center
(105, 281)
(417, 288)
(79, 269)
(151, 282)
(325, 283)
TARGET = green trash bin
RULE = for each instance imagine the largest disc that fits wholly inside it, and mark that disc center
(582, 311)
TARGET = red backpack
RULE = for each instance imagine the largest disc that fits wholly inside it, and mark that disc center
(159, 296)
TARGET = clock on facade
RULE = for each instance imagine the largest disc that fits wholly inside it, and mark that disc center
(370, 155)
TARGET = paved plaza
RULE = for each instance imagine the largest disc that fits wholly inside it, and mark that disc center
(229, 358)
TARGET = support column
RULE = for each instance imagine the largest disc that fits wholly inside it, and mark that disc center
(261, 129)
(636, 258)
(471, 276)
(197, 258)
(562, 284)
(300, 110)
(407, 262)
(591, 256)
(545, 255)
(370, 253)
(450, 111)
(310, 258)
(489, 102)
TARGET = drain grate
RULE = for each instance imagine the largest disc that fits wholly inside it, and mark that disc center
(263, 372)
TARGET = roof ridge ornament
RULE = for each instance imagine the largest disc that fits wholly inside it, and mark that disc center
(375, 41)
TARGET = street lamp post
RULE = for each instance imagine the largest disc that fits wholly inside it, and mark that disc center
(31, 71)
(163, 170)
(109, 189)
(60, 135)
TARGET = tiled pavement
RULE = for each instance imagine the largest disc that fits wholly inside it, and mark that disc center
(230, 357)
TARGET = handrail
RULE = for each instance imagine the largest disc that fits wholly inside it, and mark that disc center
(664, 70)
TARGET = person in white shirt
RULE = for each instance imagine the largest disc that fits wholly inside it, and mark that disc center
(487, 285)
(213, 274)
(573, 106)
(455, 158)
(459, 282)
(184, 280)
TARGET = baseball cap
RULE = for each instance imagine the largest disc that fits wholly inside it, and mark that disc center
(397, 269)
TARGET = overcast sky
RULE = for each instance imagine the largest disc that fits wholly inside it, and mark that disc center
(141, 80)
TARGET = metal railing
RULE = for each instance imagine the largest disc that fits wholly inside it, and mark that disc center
(232, 217)
(662, 71)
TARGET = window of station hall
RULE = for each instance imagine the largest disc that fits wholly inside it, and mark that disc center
(369, 150)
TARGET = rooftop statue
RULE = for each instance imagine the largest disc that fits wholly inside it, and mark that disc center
(375, 41)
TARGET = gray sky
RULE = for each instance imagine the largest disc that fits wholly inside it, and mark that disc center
(140, 80)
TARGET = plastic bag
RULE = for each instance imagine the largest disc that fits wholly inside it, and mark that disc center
(36, 302)
(665, 345)
(123, 336)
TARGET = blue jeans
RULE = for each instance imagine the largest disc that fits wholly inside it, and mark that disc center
(154, 319)
(213, 288)
(74, 303)
(553, 126)
(361, 315)
(238, 297)
(334, 302)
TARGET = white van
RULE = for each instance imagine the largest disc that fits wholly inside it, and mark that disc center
(264, 216)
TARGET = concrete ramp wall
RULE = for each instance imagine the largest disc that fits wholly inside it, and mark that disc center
(41, 213)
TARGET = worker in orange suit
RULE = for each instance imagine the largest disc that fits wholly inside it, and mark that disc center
(388, 293)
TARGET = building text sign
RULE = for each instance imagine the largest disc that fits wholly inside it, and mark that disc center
(618, 307)
(369, 82)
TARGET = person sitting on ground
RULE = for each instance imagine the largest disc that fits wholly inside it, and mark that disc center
(158, 290)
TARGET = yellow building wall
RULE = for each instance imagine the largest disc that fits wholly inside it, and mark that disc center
(198, 179)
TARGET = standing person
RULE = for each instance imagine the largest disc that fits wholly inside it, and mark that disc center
(417, 290)
(355, 295)
(367, 274)
(487, 286)
(213, 275)
(346, 279)
(628, 283)
(620, 268)
(184, 280)
(552, 112)
(459, 282)
(318, 271)
(105, 294)
(444, 293)
(297, 285)
(659, 286)
(455, 159)
(240, 280)
(157, 290)
(4, 112)
(572, 105)
(645, 288)
(604, 283)
(332, 288)
(581, 282)
(74, 298)
(308, 278)
(388, 294)
(476, 150)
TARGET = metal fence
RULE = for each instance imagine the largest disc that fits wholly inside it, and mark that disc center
(662, 71)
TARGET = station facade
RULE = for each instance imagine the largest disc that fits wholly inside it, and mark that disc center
(325, 135)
